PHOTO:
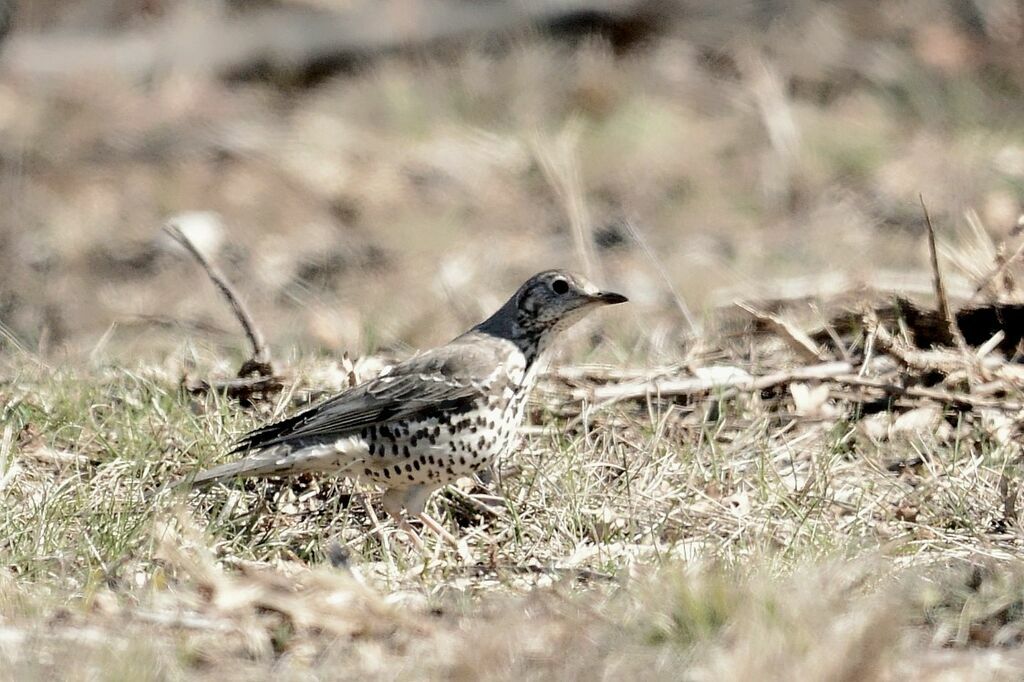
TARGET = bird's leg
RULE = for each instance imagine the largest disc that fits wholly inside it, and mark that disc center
(438, 530)
(393, 502)
(460, 545)
(414, 537)
(415, 502)
(379, 530)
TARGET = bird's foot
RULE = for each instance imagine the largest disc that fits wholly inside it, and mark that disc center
(413, 536)
(460, 545)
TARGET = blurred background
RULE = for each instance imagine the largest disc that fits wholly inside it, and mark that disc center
(381, 174)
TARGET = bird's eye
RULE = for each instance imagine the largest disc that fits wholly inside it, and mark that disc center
(560, 286)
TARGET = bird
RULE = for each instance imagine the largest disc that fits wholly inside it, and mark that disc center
(440, 415)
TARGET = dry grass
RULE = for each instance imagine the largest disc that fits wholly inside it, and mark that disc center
(811, 530)
(728, 538)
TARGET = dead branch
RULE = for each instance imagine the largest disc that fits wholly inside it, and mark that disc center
(917, 360)
(841, 373)
(260, 351)
(669, 388)
(241, 388)
(940, 291)
(584, 574)
(607, 373)
(795, 338)
(677, 298)
(963, 400)
(1001, 267)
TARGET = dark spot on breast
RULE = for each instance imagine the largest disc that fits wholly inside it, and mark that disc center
(411, 477)
(398, 469)
(412, 443)
(408, 468)
(416, 465)
(394, 448)
(405, 450)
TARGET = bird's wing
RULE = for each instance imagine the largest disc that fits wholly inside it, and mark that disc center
(444, 380)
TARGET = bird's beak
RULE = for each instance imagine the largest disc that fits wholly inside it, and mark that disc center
(608, 298)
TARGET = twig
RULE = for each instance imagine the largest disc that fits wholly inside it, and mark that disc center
(871, 324)
(382, 536)
(843, 373)
(576, 573)
(680, 302)
(916, 360)
(1004, 263)
(240, 388)
(668, 388)
(8, 336)
(940, 290)
(470, 501)
(606, 373)
(795, 338)
(948, 397)
(990, 345)
(1009, 498)
(260, 351)
(832, 333)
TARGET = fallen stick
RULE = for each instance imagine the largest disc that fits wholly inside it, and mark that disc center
(795, 338)
(520, 569)
(997, 272)
(842, 373)
(260, 351)
(240, 388)
(605, 373)
(668, 388)
(256, 377)
(948, 397)
(940, 289)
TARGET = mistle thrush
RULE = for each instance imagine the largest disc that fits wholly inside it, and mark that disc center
(440, 415)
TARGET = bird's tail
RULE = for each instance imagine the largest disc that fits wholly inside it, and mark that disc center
(272, 462)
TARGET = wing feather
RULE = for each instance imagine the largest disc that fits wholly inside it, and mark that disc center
(423, 385)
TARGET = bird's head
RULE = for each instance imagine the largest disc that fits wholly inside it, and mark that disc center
(547, 303)
(558, 299)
